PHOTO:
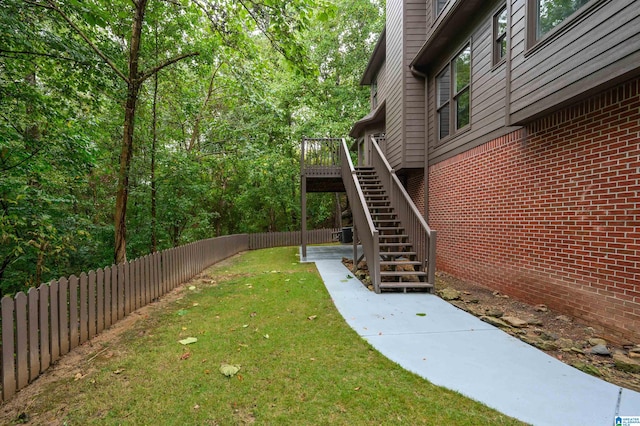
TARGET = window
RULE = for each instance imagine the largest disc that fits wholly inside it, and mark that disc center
(547, 14)
(500, 35)
(452, 91)
(374, 93)
(440, 4)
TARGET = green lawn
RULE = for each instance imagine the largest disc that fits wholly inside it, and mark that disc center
(300, 362)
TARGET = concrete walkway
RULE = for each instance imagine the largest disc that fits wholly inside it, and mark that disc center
(454, 349)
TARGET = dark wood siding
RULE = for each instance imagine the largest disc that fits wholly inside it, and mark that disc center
(394, 78)
(588, 52)
(382, 83)
(405, 132)
(414, 99)
(488, 90)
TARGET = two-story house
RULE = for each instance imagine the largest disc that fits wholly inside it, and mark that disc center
(515, 128)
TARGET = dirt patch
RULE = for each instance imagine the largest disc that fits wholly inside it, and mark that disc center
(78, 363)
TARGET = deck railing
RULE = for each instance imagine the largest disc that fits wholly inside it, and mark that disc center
(365, 230)
(421, 235)
(321, 157)
(50, 320)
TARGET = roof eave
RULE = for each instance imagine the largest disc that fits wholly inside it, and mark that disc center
(374, 117)
(376, 60)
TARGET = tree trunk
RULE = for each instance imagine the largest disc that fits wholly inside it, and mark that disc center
(134, 83)
(154, 131)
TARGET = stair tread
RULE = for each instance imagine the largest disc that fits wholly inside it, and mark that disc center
(419, 284)
(400, 262)
(398, 253)
(402, 273)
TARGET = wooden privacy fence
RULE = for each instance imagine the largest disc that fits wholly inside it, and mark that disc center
(293, 238)
(48, 321)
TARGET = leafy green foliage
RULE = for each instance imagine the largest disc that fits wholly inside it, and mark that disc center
(223, 128)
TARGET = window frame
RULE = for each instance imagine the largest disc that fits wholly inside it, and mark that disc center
(498, 37)
(534, 41)
(436, 3)
(455, 94)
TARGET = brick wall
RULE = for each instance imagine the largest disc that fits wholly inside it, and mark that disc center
(551, 213)
(415, 189)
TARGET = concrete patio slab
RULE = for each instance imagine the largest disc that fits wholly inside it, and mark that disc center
(454, 349)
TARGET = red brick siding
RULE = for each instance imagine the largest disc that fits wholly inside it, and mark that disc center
(551, 213)
(415, 189)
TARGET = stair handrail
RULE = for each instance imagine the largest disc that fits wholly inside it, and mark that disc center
(365, 230)
(420, 233)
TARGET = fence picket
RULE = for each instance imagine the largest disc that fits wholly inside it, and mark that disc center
(22, 349)
(73, 312)
(114, 294)
(84, 313)
(92, 303)
(34, 341)
(100, 300)
(107, 297)
(45, 354)
(121, 299)
(63, 312)
(8, 349)
(54, 321)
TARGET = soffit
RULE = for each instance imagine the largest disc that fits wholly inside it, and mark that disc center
(446, 31)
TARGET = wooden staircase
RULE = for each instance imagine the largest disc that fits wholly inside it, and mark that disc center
(399, 267)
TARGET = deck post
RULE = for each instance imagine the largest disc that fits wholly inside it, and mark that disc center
(303, 207)
(355, 248)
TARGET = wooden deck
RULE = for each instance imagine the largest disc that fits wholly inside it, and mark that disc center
(320, 165)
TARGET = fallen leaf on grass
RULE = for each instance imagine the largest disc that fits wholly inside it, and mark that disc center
(193, 287)
(78, 376)
(118, 371)
(266, 336)
(229, 370)
(312, 317)
(188, 340)
(185, 355)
